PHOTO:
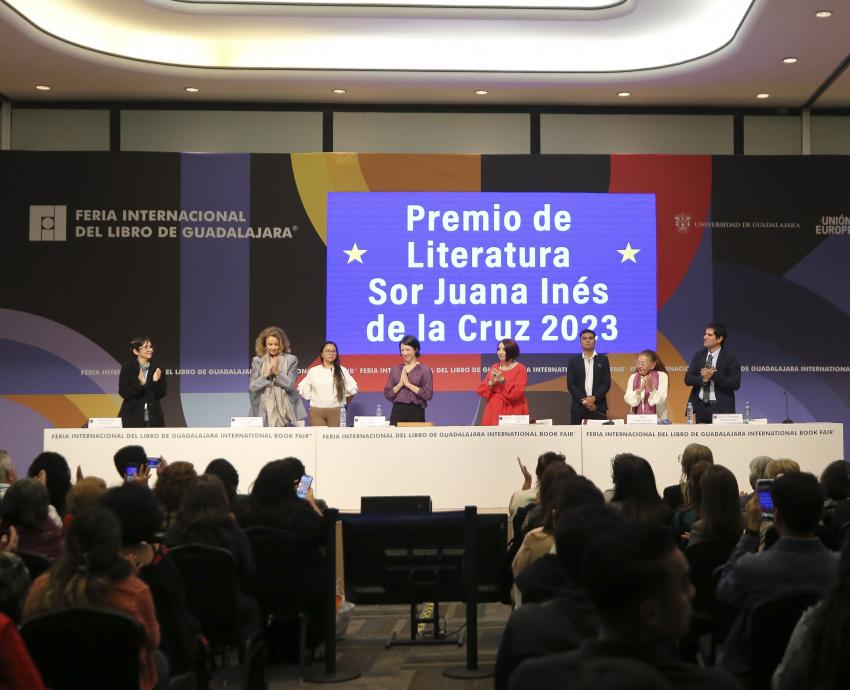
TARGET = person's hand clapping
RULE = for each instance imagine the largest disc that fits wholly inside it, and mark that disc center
(157, 374)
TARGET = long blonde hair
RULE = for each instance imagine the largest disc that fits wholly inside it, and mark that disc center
(277, 332)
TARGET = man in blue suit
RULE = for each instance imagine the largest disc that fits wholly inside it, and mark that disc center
(588, 381)
(714, 375)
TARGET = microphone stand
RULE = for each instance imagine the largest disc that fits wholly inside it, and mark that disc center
(787, 419)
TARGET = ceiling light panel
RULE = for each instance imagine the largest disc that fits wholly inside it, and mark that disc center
(636, 35)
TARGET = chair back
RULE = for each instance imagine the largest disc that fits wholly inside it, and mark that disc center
(275, 584)
(704, 558)
(212, 586)
(85, 649)
(773, 623)
(36, 563)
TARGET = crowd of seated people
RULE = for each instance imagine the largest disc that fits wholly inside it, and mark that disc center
(602, 581)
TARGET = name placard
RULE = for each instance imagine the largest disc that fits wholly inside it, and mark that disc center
(513, 420)
(727, 419)
(246, 422)
(105, 423)
(641, 419)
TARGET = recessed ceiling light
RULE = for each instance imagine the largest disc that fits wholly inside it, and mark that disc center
(481, 92)
(624, 94)
(823, 14)
(339, 92)
(192, 89)
(762, 95)
(42, 87)
(789, 60)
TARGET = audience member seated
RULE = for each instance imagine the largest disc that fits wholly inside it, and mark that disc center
(172, 482)
(758, 470)
(564, 621)
(797, 562)
(92, 574)
(205, 518)
(835, 481)
(130, 456)
(274, 503)
(17, 670)
(14, 578)
(637, 579)
(7, 472)
(687, 513)
(720, 516)
(138, 512)
(818, 654)
(25, 507)
(529, 495)
(634, 490)
(674, 495)
(544, 578)
(539, 540)
(84, 494)
(52, 470)
(225, 471)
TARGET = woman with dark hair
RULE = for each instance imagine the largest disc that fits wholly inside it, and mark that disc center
(720, 516)
(646, 390)
(92, 574)
(141, 385)
(205, 518)
(225, 471)
(504, 386)
(24, 507)
(634, 490)
(686, 514)
(540, 530)
(56, 477)
(140, 516)
(271, 386)
(410, 384)
(818, 654)
(172, 482)
(328, 386)
(835, 480)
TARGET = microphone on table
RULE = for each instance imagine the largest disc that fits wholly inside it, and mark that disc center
(787, 419)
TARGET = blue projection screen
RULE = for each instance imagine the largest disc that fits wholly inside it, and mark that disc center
(462, 270)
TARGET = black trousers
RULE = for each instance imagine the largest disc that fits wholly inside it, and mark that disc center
(704, 411)
(406, 412)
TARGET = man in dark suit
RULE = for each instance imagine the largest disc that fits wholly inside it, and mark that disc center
(714, 375)
(588, 381)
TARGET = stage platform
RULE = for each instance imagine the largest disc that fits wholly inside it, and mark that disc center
(456, 466)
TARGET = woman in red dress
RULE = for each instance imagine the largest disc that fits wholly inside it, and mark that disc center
(504, 386)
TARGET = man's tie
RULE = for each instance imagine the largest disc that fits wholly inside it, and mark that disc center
(706, 386)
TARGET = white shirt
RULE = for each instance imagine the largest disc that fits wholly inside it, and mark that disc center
(714, 357)
(588, 372)
(318, 386)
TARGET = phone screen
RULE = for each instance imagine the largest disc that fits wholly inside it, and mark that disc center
(131, 471)
(304, 486)
(765, 500)
(153, 462)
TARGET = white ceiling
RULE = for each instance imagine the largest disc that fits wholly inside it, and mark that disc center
(666, 53)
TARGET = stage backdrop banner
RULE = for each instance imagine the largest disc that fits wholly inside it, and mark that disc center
(201, 251)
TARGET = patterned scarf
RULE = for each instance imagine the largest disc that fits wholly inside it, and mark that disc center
(645, 407)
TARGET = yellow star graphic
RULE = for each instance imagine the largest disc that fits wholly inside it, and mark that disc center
(628, 254)
(355, 254)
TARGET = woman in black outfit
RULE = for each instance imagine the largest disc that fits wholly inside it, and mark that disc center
(141, 384)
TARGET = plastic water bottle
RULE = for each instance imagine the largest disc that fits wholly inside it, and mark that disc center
(342, 416)
(378, 411)
(748, 412)
(690, 413)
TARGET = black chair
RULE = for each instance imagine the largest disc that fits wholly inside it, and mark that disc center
(85, 649)
(36, 563)
(276, 584)
(773, 623)
(213, 595)
(723, 617)
(704, 558)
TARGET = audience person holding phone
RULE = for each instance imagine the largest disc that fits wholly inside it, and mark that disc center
(504, 386)
(328, 386)
(646, 390)
(272, 383)
(410, 384)
(142, 385)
